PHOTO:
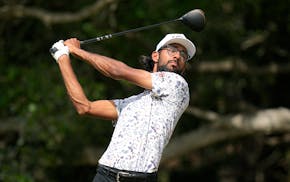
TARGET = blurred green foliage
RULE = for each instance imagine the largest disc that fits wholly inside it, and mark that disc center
(42, 137)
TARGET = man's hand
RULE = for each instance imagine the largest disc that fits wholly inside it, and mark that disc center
(72, 44)
(58, 49)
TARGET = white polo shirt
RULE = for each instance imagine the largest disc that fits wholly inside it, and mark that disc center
(145, 124)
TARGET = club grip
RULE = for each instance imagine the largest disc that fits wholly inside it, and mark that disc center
(52, 50)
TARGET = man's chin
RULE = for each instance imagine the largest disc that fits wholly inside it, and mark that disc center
(172, 69)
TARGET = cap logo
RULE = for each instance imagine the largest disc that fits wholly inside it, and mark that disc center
(176, 36)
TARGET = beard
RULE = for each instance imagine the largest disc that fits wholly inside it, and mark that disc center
(165, 68)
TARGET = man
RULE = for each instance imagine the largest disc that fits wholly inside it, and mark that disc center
(145, 122)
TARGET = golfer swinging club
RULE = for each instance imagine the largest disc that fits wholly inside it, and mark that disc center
(143, 123)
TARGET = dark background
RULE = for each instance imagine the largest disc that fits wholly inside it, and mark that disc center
(43, 139)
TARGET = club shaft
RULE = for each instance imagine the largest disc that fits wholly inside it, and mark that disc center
(108, 36)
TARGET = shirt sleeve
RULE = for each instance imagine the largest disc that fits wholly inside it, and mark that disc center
(171, 86)
(120, 104)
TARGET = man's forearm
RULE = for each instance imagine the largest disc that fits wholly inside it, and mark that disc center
(73, 87)
(107, 66)
(110, 67)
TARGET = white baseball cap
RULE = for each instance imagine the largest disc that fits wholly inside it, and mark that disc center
(179, 39)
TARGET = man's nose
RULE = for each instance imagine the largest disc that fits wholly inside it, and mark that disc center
(176, 55)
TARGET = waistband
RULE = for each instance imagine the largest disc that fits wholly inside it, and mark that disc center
(124, 175)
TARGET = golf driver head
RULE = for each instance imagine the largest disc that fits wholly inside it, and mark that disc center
(194, 19)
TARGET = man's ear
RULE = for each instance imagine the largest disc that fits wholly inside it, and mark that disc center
(155, 56)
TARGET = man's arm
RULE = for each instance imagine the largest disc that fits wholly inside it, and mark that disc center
(110, 67)
(104, 109)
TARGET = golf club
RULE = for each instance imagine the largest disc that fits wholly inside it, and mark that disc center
(194, 19)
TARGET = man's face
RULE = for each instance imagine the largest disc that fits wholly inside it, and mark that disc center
(172, 58)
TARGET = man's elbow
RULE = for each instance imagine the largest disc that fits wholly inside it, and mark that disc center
(82, 109)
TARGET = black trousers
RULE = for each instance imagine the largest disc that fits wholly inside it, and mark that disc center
(105, 174)
(102, 178)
